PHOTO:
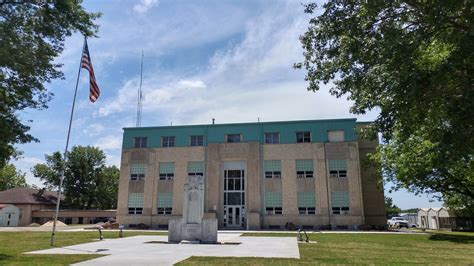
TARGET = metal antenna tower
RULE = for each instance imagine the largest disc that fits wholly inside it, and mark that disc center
(140, 98)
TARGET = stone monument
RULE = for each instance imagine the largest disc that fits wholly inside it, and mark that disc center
(193, 226)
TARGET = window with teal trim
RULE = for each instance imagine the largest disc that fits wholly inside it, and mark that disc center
(304, 168)
(137, 171)
(340, 202)
(273, 203)
(336, 136)
(166, 171)
(233, 138)
(337, 168)
(196, 168)
(197, 140)
(306, 203)
(164, 203)
(140, 142)
(135, 203)
(272, 168)
(168, 141)
(272, 138)
(303, 137)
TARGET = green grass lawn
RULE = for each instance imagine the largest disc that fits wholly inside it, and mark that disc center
(436, 248)
(13, 244)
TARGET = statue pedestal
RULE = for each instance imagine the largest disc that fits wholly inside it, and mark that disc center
(193, 227)
(205, 232)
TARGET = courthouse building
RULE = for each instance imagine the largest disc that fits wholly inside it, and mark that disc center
(257, 175)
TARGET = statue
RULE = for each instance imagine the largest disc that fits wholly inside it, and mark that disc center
(193, 226)
(194, 202)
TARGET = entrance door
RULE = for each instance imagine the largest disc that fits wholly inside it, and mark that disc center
(234, 216)
(234, 195)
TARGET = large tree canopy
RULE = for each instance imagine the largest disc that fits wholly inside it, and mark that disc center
(412, 61)
(88, 183)
(10, 177)
(31, 36)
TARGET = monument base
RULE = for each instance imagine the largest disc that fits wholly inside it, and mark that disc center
(205, 232)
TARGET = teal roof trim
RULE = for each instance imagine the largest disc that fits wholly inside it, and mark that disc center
(251, 132)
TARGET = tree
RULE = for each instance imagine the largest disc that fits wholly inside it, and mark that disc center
(412, 61)
(11, 178)
(412, 210)
(390, 208)
(88, 183)
(32, 36)
(459, 205)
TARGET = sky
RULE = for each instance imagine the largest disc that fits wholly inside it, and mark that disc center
(228, 60)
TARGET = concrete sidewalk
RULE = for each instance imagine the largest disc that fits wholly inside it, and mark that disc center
(135, 250)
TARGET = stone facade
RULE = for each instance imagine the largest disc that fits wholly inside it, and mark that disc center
(355, 186)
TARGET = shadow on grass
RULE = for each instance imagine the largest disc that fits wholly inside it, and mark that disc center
(463, 239)
(4, 257)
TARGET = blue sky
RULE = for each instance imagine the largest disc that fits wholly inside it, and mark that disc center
(228, 60)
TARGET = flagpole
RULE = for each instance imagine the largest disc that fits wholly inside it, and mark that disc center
(58, 200)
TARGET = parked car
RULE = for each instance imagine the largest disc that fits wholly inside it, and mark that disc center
(412, 225)
(398, 222)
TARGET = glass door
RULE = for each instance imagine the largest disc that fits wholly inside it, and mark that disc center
(234, 198)
(234, 216)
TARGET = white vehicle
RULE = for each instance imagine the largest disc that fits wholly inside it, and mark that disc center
(398, 222)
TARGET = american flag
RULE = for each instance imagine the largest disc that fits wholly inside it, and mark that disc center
(87, 64)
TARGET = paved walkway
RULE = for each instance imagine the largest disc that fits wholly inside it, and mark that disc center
(135, 251)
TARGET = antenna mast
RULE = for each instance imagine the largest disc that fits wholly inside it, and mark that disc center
(140, 97)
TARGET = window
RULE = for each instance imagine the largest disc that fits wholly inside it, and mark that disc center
(135, 203)
(167, 141)
(196, 168)
(164, 211)
(232, 138)
(140, 142)
(197, 140)
(306, 210)
(273, 203)
(164, 203)
(137, 171)
(303, 137)
(272, 138)
(336, 135)
(272, 174)
(234, 180)
(166, 171)
(340, 210)
(135, 210)
(304, 169)
(340, 202)
(273, 210)
(272, 168)
(306, 203)
(337, 168)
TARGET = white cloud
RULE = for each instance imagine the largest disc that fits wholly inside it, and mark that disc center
(192, 84)
(112, 159)
(243, 80)
(31, 161)
(109, 142)
(126, 95)
(251, 79)
(93, 129)
(25, 164)
(144, 6)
